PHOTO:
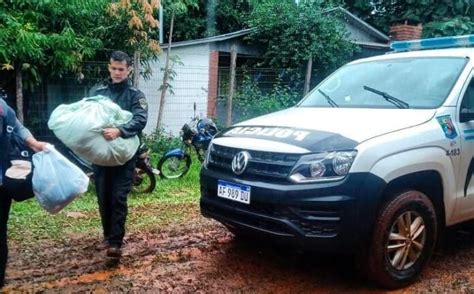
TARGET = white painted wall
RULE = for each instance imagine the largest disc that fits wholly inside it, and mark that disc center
(190, 85)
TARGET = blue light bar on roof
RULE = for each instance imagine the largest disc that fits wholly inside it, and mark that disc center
(433, 43)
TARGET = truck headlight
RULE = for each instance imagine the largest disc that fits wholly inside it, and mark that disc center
(324, 166)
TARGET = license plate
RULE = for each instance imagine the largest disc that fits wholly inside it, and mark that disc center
(233, 191)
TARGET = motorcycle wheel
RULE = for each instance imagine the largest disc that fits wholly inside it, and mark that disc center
(174, 166)
(144, 181)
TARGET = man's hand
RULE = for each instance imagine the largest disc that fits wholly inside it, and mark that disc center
(111, 133)
(37, 146)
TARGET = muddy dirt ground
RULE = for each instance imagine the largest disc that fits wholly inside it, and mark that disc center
(201, 256)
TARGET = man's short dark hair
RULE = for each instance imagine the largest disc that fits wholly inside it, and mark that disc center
(120, 56)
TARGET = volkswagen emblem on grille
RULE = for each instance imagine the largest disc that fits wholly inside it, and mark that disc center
(240, 161)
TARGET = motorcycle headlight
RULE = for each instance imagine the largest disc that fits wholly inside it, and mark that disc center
(325, 166)
(207, 155)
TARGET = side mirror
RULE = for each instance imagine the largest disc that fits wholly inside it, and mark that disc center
(467, 114)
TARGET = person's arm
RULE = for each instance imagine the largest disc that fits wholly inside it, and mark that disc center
(139, 119)
(37, 146)
(135, 125)
(26, 135)
(21, 130)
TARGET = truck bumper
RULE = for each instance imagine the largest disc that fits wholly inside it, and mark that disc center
(332, 216)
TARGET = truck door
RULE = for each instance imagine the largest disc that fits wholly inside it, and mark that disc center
(465, 203)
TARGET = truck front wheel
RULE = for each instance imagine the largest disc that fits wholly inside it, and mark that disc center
(403, 240)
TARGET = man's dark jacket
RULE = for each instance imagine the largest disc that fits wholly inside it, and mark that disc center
(130, 99)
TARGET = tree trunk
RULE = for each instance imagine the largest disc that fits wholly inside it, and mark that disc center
(230, 97)
(136, 68)
(309, 69)
(42, 106)
(211, 18)
(164, 87)
(19, 92)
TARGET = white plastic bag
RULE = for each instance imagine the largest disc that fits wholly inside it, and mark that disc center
(79, 126)
(56, 180)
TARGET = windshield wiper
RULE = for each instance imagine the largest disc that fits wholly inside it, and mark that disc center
(395, 101)
(330, 101)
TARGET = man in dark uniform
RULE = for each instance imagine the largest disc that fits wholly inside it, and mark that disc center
(9, 127)
(114, 183)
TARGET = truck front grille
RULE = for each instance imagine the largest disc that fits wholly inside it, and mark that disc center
(270, 165)
(315, 221)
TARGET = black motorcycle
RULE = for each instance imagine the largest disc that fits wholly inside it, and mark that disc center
(144, 179)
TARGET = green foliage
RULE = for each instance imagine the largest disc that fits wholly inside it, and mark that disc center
(50, 37)
(439, 18)
(180, 6)
(426, 11)
(291, 34)
(252, 101)
(174, 60)
(230, 16)
(449, 27)
(186, 17)
(187, 26)
(362, 8)
(160, 141)
(45, 38)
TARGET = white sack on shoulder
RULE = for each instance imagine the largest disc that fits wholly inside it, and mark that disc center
(56, 180)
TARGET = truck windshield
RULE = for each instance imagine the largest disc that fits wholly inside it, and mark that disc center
(416, 82)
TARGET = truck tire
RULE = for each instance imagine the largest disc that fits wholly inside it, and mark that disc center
(403, 240)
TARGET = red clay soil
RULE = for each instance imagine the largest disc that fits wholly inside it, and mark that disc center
(201, 256)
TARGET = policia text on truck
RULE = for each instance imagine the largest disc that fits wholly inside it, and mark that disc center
(375, 161)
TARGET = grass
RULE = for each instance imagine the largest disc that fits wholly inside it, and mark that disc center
(171, 201)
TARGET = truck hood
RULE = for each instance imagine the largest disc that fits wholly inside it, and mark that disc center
(320, 129)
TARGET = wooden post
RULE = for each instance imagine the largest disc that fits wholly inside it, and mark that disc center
(309, 69)
(136, 68)
(233, 61)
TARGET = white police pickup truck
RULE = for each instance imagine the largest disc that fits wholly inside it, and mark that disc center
(375, 161)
